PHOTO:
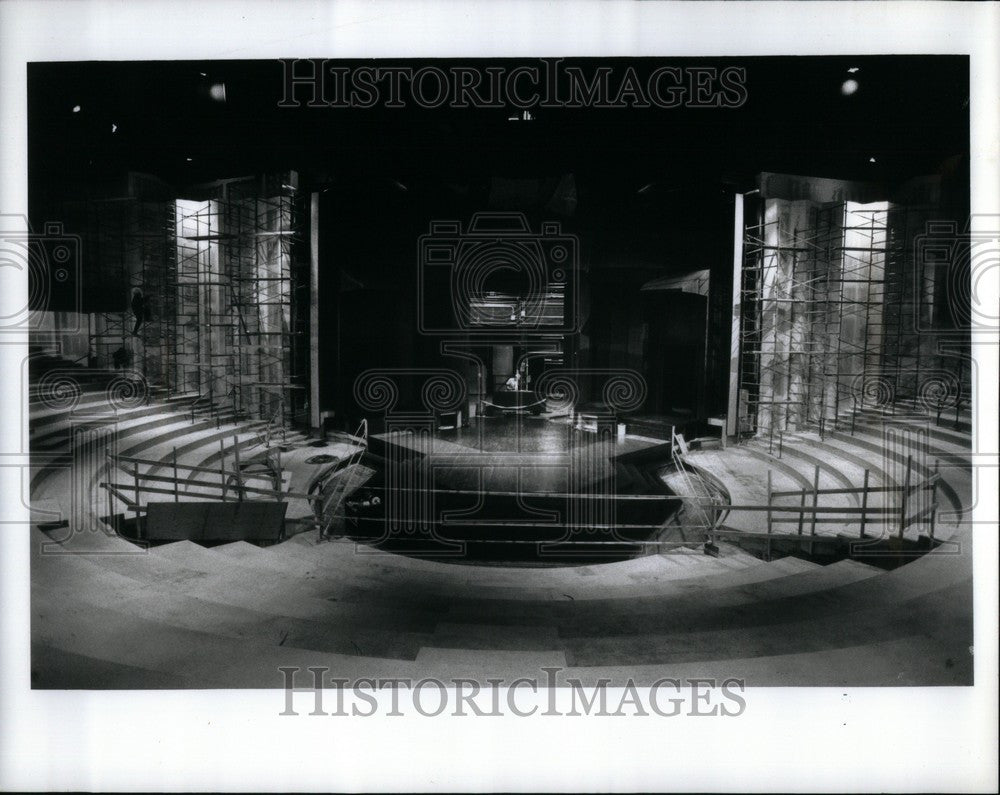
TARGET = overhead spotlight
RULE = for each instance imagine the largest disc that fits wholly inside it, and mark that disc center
(848, 87)
(212, 90)
(871, 159)
(76, 108)
(114, 127)
(217, 91)
(189, 159)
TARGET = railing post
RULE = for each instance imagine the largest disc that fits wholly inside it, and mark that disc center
(904, 503)
(239, 470)
(176, 479)
(111, 518)
(781, 442)
(812, 530)
(934, 487)
(278, 484)
(802, 513)
(135, 479)
(864, 504)
(767, 550)
(222, 467)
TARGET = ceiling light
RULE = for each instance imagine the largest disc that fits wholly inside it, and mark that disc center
(848, 87)
(217, 92)
(871, 159)
(114, 127)
(854, 69)
(76, 108)
(645, 188)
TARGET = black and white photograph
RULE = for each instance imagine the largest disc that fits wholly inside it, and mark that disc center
(498, 392)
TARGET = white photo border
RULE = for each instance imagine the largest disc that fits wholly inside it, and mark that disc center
(818, 739)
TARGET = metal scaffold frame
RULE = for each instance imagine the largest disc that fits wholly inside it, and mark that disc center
(224, 278)
(240, 278)
(127, 244)
(830, 320)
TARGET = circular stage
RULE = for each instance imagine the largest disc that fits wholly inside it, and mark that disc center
(512, 488)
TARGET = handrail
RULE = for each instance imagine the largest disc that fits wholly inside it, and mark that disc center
(676, 456)
(926, 484)
(215, 412)
(265, 437)
(326, 514)
(220, 480)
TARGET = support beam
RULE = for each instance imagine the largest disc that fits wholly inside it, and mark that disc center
(732, 415)
(314, 310)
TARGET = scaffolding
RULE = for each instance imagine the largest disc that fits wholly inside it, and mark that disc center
(224, 279)
(835, 318)
(239, 287)
(127, 245)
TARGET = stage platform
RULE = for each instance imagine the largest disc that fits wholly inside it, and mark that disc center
(511, 482)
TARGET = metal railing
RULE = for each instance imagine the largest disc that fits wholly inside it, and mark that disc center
(327, 513)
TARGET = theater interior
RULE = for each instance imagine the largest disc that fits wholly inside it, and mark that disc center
(471, 391)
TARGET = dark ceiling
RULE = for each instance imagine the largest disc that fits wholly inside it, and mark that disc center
(909, 114)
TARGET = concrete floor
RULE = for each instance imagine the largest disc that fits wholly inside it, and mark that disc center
(184, 616)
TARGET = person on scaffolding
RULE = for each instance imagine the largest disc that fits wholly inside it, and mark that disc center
(140, 309)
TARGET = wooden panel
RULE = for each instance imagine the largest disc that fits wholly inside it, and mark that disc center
(215, 521)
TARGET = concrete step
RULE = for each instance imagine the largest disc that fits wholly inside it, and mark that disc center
(271, 596)
(43, 419)
(856, 604)
(649, 568)
(180, 610)
(853, 631)
(57, 669)
(364, 578)
(948, 452)
(125, 428)
(206, 660)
